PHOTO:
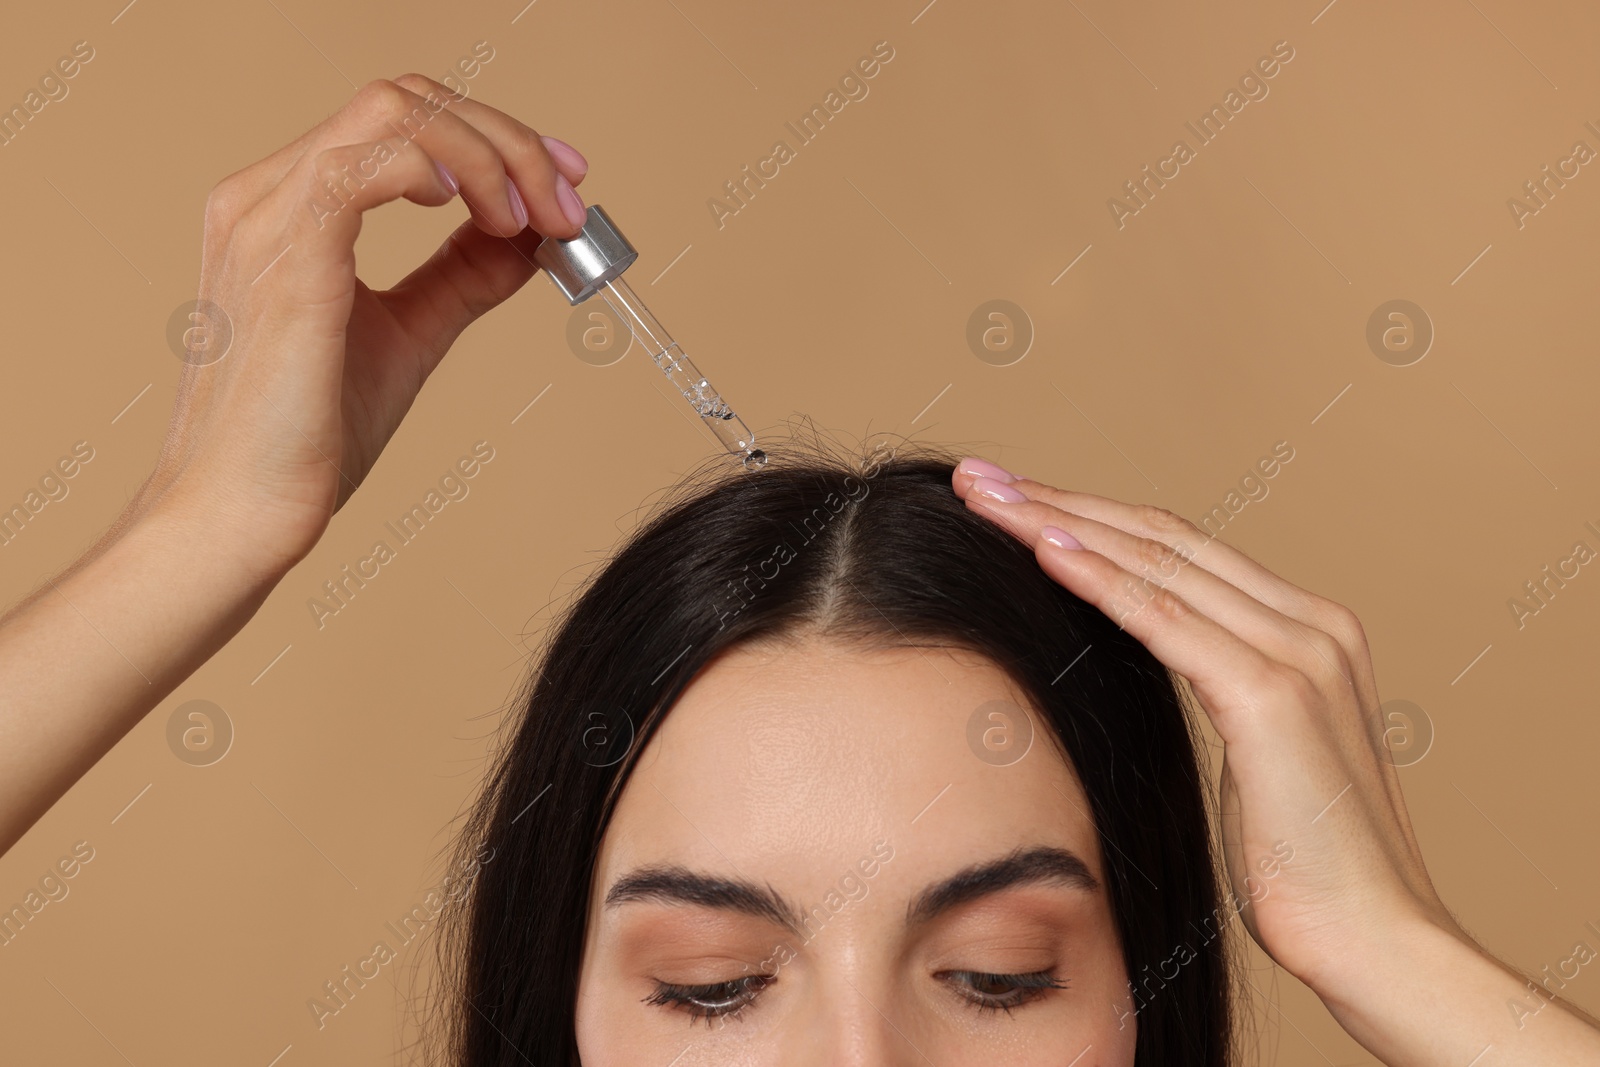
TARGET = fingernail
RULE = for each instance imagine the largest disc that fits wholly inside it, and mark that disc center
(571, 205)
(998, 491)
(519, 210)
(982, 468)
(448, 178)
(566, 153)
(1059, 537)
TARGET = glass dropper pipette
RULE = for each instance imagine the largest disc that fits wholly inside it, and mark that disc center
(593, 262)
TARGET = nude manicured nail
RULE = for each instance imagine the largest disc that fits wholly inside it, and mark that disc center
(448, 178)
(571, 203)
(998, 491)
(562, 152)
(519, 210)
(1059, 537)
(982, 468)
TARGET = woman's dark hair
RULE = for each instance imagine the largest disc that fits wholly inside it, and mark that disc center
(879, 550)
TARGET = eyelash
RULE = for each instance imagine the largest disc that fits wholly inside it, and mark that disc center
(730, 998)
(1020, 988)
(716, 1000)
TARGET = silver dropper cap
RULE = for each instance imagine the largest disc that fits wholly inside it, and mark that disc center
(581, 265)
(593, 262)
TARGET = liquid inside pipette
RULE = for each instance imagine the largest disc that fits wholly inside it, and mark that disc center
(669, 356)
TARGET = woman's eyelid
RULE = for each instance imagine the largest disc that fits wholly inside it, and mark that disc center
(1011, 928)
(1002, 956)
(1042, 977)
(701, 964)
(710, 1000)
(1021, 989)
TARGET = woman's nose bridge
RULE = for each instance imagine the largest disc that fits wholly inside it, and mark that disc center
(851, 1027)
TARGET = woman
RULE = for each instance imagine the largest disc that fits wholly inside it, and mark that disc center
(856, 802)
(817, 825)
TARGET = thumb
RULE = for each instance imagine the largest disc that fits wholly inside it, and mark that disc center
(470, 273)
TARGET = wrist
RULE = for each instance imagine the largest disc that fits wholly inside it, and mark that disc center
(1392, 990)
(248, 549)
(1370, 973)
(238, 563)
(1426, 994)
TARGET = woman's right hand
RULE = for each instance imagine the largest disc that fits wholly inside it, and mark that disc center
(269, 440)
(270, 434)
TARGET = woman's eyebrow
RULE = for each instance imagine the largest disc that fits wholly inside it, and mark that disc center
(679, 885)
(1022, 867)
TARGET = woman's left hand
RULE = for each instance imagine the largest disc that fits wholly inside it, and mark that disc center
(1318, 844)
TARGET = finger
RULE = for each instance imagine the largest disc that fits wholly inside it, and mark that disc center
(1152, 564)
(553, 207)
(1144, 520)
(569, 161)
(364, 116)
(1317, 615)
(1268, 715)
(1259, 625)
(354, 121)
(972, 468)
(482, 161)
(503, 129)
(317, 209)
(317, 185)
(1154, 522)
(469, 274)
(1233, 679)
(472, 158)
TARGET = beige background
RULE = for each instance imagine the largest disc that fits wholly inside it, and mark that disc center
(1226, 316)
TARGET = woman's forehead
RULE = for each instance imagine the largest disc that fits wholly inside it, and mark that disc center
(795, 759)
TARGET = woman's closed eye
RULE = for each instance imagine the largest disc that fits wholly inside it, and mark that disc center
(712, 1000)
(984, 990)
(1000, 992)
